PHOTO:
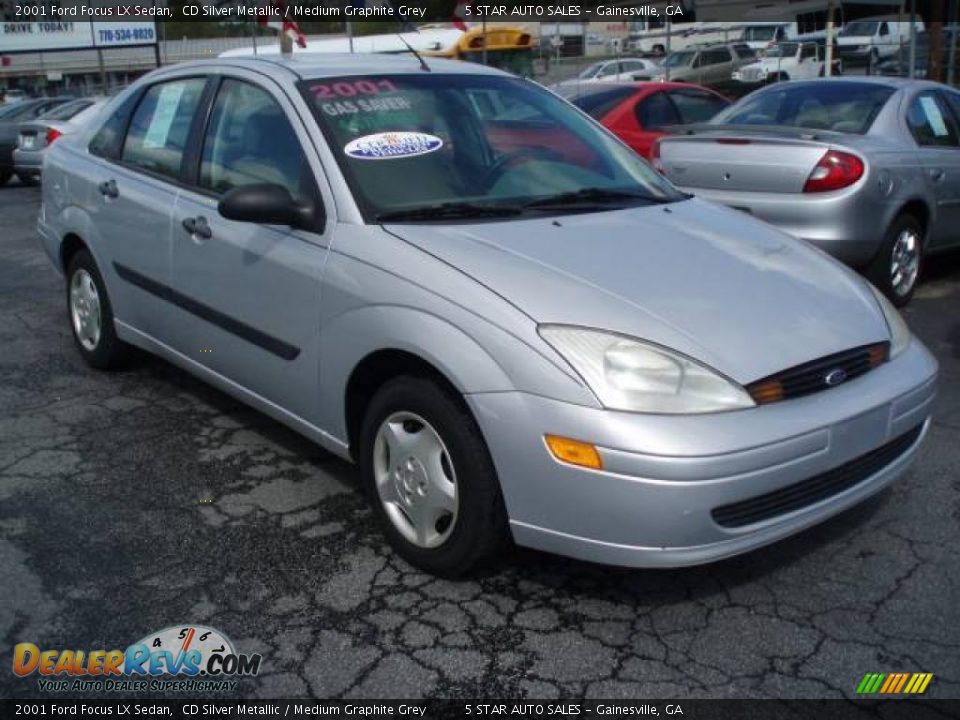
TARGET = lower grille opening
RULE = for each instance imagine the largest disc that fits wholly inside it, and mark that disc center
(813, 490)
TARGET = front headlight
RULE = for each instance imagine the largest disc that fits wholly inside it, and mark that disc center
(899, 332)
(636, 376)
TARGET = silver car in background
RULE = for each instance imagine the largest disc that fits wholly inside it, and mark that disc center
(867, 169)
(511, 322)
(37, 135)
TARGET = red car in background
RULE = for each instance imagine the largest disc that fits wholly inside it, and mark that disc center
(637, 112)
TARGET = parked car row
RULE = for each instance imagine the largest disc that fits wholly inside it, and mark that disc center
(28, 127)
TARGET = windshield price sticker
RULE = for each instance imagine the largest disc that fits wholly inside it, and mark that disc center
(392, 145)
(325, 91)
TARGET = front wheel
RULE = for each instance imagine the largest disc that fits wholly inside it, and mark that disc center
(896, 268)
(28, 180)
(91, 314)
(428, 474)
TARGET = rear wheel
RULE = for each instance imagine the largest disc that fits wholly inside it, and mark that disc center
(659, 50)
(91, 314)
(896, 268)
(430, 479)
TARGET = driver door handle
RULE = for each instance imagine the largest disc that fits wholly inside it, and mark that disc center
(198, 226)
(936, 174)
(108, 188)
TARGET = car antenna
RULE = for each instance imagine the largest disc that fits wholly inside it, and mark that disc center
(423, 65)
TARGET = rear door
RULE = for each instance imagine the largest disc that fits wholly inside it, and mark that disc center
(248, 295)
(935, 131)
(133, 195)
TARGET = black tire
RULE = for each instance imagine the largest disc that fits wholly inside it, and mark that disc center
(109, 352)
(5, 176)
(659, 50)
(480, 529)
(880, 270)
(28, 180)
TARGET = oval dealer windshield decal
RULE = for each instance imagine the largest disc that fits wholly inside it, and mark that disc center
(389, 145)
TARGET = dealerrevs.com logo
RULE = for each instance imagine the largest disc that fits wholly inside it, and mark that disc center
(186, 658)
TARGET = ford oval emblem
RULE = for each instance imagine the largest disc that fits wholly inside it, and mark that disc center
(835, 377)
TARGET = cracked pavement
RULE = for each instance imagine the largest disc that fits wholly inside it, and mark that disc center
(133, 501)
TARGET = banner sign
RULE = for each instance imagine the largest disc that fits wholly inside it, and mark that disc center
(74, 35)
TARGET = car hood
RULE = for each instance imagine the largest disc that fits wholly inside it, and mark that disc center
(707, 281)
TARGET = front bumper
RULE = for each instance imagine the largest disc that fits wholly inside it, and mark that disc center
(651, 505)
(848, 224)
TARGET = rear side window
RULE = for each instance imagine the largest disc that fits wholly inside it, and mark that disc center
(930, 122)
(655, 111)
(695, 106)
(249, 140)
(160, 126)
(106, 143)
(598, 104)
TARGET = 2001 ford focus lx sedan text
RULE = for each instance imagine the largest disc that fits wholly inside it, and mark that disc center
(513, 324)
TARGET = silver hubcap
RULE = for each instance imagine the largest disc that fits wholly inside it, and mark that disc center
(415, 479)
(905, 262)
(85, 309)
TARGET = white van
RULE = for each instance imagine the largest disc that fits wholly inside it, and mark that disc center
(871, 39)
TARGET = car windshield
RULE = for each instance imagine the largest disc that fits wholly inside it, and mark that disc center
(758, 33)
(679, 59)
(782, 50)
(591, 71)
(472, 145)
(860, 29)
(849, 107)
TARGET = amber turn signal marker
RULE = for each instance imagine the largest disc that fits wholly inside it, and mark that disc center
(767, 392)
(574, 452)
(878, 354)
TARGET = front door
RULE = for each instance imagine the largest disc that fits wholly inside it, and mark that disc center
(248, 295)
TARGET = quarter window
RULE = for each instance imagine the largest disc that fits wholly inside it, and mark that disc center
(161, 125)
(106, 143)
(249, 141)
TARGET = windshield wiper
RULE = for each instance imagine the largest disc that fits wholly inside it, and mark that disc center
(591, 196)
(450, 211)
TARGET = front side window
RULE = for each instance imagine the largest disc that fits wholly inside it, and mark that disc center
(249, 141)
(160, 126)
(411, 142)
(930, 122)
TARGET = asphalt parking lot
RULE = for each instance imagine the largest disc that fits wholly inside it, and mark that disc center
(139, 500)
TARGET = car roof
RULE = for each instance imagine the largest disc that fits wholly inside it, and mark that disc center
(309, 66)
(890, 81)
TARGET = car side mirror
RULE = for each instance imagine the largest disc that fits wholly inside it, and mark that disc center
(269, 204)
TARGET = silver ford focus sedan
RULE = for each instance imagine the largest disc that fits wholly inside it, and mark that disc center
(509, 321)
